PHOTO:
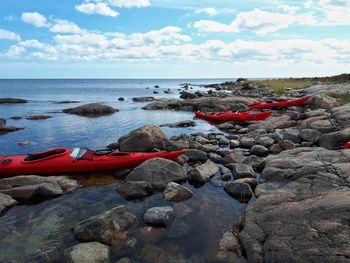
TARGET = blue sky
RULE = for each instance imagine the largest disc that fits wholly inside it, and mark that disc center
(173, 38)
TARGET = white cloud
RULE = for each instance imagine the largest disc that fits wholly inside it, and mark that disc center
(336, 12)
(289, 9)
(36, 19)
(212, 26)
(129, 3)
(8, 35)
(308, 4)
(64, 26)
(96, 8)
(210, 11)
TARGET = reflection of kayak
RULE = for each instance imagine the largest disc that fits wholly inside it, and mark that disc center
(234, 116)
(79, 160)
(279, 104)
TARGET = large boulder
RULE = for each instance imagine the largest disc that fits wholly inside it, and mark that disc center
(144, 139)
(91, 252)
(158, 172)
(322, 101)
(280, 122)
(335, 140)
(135, 189)
(91, 110)
(106, 226)
(203, 172)
(6, 202)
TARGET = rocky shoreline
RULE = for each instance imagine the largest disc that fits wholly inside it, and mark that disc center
(289, 170)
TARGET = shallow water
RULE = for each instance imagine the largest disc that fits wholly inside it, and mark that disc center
(30, 233)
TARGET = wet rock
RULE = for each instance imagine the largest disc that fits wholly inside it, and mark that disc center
(91, 110)
(121, 99)
(241, 192)
(259, 150)
(12, 101)
(113, 146)
(247, 142)
(150, 234)
(310, 135)
(265, 141)
(6, 202)
(322, 101)
(144, 139)
(25, 143)
(177, 193)
(106, 226)
(155, 92)
(224, 170)
(159, 216)
(242, 171)
(38, 117)
(91, 252)
(203, 172)
(143, 99)
(256, 162)
(158, 172)
(2, 122)
(226, 176)
(224, 141)
(233, 158)
(66, 102)
(135, 189)
(251, 181)
(188, 95)
(124, 246)
(335, 140)
(156, 86)
(180, 124)
(178, 229)
(16, 118)
(5, 129)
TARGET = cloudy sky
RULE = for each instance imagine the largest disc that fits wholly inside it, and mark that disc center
(173, 38)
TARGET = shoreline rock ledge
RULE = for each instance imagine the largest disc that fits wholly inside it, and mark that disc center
(302, 209)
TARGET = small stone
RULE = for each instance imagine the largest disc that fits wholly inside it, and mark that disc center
(241, 192)
(251, 181)
(203, 172)
(121, 99)
(247, 142)
(196, 155)
(286, 145)
(265, 141)
(177, 193)
(310, 135)
(234, 143)
(158, 216)
(259, 150)
(243, 170)
(233, 157)
(256, 162)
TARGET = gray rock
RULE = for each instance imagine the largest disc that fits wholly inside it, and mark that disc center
(251, 181)
(276, 149)
(38, 117)
(259, 150)
(91, 110)
(230, 242)
(180, 124)
(159, 216)
(241, 192)
(209, 148)
(143, 99)
(310, 135)
(181, 210)
(322, 101)
(226, 176)
(256, 162)
(158, 172)
(247, 142)
(243, 170)
(144, 139)
(202, 140)
(6, 202)
(135, 189)
(91, 252)
(234, 143)
(291, 135)
(178, 229)
(281, 122)
(25, 143)
(286, 145)
(177, 193)
(265, 141)
(224, 170)
(215, 157)
(203, 172)
(12, 101)
(335, 140)
(196, 155)
(224, 141)
(105, 226)
(233, 158)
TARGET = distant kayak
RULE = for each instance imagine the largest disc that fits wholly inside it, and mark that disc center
(279, 104)
(234, 116)
(79, 160)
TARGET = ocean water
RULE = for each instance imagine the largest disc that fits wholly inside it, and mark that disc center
(34, 233)
(64, 130)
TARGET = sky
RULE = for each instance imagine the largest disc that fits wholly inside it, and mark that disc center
(173, 38)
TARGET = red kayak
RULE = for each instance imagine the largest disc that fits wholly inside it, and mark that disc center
(79, 160)
(279, 104)
(346, 145)
(234, 116)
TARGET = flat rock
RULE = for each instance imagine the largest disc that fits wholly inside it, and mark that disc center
(12, 101)
(203, 172)
(135, 189)
(91, 252)
(241, 170)
(38, 117)
(159, 216)
(177, 193)
(143, 99)
(106, 226)
(158, 172)
(180, 124)
(91, 110)
(310, 135)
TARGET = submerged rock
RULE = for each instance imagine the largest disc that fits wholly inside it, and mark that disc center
(159, 216)
(144, 139)
(178, 229)
(5, 128)
(91, 252)
(106, 226)
(158, 172)
(91, 110)
(177, 193)
(135, 189)
(150, 234)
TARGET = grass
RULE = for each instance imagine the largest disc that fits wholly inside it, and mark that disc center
(280, 86)
(342, 98)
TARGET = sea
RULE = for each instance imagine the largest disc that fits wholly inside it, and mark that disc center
(41, 232)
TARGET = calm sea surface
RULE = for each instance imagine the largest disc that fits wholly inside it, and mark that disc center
(30, 232)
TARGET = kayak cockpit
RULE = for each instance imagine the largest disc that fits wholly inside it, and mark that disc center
(45, 155)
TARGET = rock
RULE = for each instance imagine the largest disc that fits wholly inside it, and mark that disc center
(38, 117)
(16, 118)
(209, 147)
(124, 260)
(156, 86)
(239, 107)
(276, 149)
(187, 95)
(113, 146)
(150, 234)
(224, 141)
(66, 102)
(6, 202)
(121, 99)
(178, 229)
(259, 150)
(12, 101)
(241, 192)
(251, 181)
(143, 99)
(242, 171)
(144, 139)
(155, 92)
(256, 162)
(286, 145)
(281, 122)
(91, 252)
(233, 158)
(265, 141)
(335, 140)
(224, 170)
(91, 110)
(2, 122)
(135, 189)
(322, 101)
(203, 172)
(310, 135)
(158, 172)
(124, 246)
(202, 140)
(226, 177)
(234, 143)
(177, 193)
(181, 210)
(291, 135)
(25, 143)
(247, 142)
(230, 242)
(5, 129)
(158, 216)
(225, 126)
(215, 157)
(106, 226)
(180, 124)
